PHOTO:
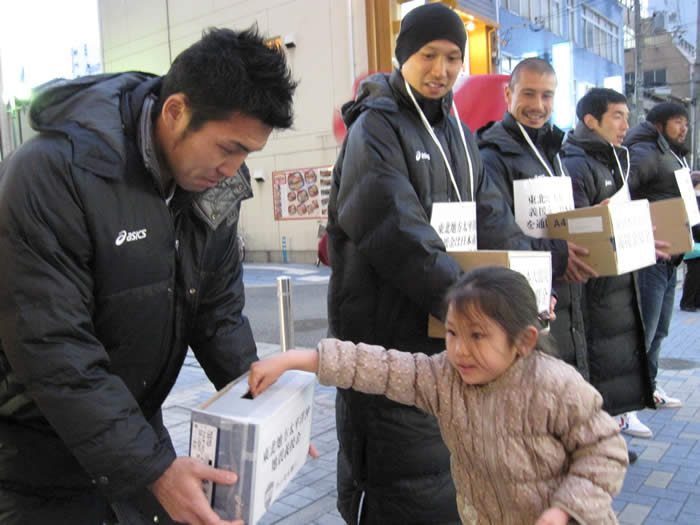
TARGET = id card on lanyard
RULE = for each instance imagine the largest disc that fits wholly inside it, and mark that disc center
(455, 223)
(534, 199)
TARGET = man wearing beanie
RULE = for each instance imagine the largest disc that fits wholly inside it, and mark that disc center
(657, 149)
(403, 152)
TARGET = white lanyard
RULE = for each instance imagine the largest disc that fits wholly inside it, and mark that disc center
(680, 160)
(537, 153)
(626, 174)
(437, 143)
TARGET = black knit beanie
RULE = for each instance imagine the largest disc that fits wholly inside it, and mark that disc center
(427, 23)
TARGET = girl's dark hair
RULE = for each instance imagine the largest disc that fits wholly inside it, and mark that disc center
(504, 296)
(229, 72)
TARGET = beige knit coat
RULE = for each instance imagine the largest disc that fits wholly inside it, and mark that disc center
(534, 438)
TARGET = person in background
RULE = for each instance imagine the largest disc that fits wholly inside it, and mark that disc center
(599, 168)
(657, 150)
(528, 439)
(403, 153)
(118, 251)
(690, 300)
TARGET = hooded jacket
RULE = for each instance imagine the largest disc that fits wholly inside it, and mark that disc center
(390, 270)
(103, 286)
(652, 164)
(507, 157)
(612, 311)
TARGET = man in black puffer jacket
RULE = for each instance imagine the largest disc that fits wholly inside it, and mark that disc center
(599, 167)
(524, 145)
(390, 268)
(117, 252)
(657, 151)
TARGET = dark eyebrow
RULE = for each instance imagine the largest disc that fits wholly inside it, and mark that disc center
(238, 145)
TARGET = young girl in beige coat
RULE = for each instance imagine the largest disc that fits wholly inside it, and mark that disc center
(530, 443)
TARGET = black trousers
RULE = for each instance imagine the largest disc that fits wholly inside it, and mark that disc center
(691, 285)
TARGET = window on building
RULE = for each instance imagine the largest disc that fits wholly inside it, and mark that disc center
(629, 38)
(600, 35)
(571, 17)
(545, 13)
(654, 78)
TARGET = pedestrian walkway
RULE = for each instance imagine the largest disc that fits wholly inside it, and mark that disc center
(661, 488)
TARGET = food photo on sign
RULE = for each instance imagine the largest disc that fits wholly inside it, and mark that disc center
(301, 193)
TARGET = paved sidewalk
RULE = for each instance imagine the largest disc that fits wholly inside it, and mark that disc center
(661, 488)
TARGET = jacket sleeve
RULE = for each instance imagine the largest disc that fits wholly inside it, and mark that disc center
(495, 205)
(379, 210)
(585, 191)
(598, 454)
(222, 337)
(407, 378)
(46, 327)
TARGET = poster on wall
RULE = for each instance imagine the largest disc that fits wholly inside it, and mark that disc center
(301, 193)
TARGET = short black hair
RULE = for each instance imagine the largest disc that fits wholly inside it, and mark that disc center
(229, 72)
(596, 101)
(534, 64)
(660, 113)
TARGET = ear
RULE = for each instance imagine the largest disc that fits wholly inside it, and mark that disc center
(590, 121)
(175, 113)
(508, 95)
(527, 340)
(659, 127)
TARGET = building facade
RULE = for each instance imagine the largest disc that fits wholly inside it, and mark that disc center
(582, 40)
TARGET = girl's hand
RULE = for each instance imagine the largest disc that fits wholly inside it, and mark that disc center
(553, 516)
(264, 373)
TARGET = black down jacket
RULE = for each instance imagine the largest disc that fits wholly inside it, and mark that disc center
(612, 314)
(102, 288)
(390, 270)
(507, 157)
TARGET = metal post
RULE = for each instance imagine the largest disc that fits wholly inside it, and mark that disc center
(695, 85)
(638, 44)
(284, 296)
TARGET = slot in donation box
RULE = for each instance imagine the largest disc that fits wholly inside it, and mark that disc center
(264, 440)
(619, 237)
(535, 266)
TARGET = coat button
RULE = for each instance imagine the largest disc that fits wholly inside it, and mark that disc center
(193, 291)
(103, 480)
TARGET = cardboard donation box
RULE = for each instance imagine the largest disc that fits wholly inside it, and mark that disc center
(536, 266)
(670, 217)
(619, 237)
(265, 441)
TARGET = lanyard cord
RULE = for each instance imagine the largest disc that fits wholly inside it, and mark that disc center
(437, 143)
(624, 175)
(537, 153)
(682, 161)
(464, 141)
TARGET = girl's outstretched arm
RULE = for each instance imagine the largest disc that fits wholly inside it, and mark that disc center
(265, 372)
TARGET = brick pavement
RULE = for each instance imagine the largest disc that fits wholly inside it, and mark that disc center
(661, 488)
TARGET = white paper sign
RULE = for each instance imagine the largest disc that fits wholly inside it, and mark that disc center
(634, 236)
(538, 271)
(621, 195)
(455, 223)
(534, 199)
(685, 185)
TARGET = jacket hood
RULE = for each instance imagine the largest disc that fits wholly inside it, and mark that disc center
(384, 92)
(582, 141)
(502, 135)
(60, 105)
(646, 132)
